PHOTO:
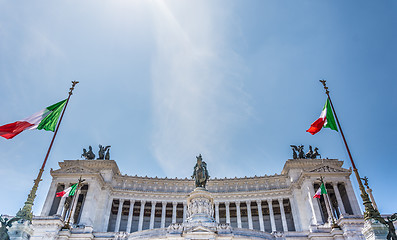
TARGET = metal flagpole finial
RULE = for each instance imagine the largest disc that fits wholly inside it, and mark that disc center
(72, 88)
(325, 86)
(321, 179)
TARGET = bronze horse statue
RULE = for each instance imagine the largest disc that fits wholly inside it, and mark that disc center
(200, 172)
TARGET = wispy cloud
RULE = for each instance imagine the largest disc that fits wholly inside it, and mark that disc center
(197, 98)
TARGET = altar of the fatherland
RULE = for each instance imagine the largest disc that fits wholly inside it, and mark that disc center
(111, 205)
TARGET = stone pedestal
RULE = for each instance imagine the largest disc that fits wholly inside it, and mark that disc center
(47, 227)
(200, 206)
(374, 230)
(200, 222)
(20, 231)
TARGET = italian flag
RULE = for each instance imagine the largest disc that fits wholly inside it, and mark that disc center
(45, 119)
(326, 120)
(70, 191)
(320, 191)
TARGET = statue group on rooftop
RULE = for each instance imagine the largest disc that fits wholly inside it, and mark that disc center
(103, 153)
(297, 152)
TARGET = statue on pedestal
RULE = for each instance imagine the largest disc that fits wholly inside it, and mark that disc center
(200, 172)
(388, 222)
(3, 227)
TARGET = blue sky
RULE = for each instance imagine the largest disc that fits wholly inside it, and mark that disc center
(162, 81)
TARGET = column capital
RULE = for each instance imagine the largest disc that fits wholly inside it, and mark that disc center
(164, 203)
(227, 204)
(143, 202)
(269, 201)
(248, 202)
(132, 201)
(237, 203)
(216, 203)
(280, 200)
(174, 203)
(121, 200)
(154, 202)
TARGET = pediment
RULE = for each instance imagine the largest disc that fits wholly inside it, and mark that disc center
(74, 169)
(328, 169)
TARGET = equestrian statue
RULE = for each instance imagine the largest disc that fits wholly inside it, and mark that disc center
(200, 173)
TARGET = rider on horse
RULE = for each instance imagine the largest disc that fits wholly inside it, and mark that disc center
(200, 173)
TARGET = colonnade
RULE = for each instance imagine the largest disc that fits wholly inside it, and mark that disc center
(340, 203)
(156, 212)
(258, 214)
(269, 215)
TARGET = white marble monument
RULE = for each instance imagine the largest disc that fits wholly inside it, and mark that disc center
(111, 205)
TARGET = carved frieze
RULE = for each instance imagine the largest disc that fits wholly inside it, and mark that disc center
(328, 169)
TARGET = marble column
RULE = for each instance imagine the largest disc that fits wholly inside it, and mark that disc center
(163, 206)
(294, 214)
(329, 208)
(352, 198)
(107, 215)
(283, 219)
(338, 198)
(74, 205)
(184, 211)
(238, 214)
(130, 214)
(142, 211)
(227, 212)
(50, 199)
(250, 226)
(61, 205)
(315, 204)
(174, 212)
(119, 212)
(272, 222)
(371, 197)
(91, 203)
(152, 215)
(260, 213)
(217, 212)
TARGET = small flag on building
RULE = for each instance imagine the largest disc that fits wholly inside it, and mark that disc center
(70, 191)
(320, 191)
(46, 119)
(326, 120)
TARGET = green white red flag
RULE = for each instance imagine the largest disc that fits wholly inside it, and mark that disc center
(320, 191)
(70, 191)
(46, 119)
(325, 120)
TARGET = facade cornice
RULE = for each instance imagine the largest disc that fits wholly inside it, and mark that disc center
(273, 185)
(306, 164)
(94, 165)
(326, 175)
(73, 177)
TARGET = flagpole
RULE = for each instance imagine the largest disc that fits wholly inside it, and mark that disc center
(75, 196)
(328, 204)
(370, 211)
(25, 213)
